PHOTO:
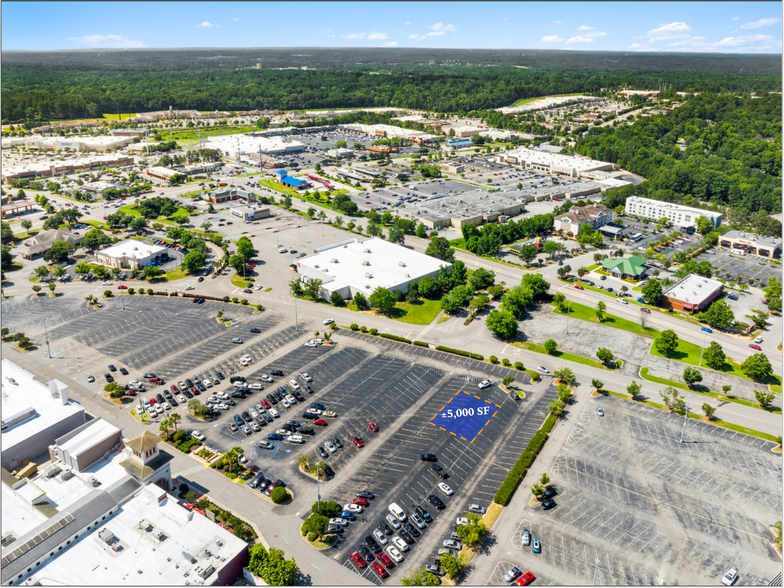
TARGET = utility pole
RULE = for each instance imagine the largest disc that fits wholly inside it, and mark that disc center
(685, 416)
(568, 308)
(48, 351)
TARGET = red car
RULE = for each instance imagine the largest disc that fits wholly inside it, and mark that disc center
(122, 287)
(153, 401)
(358, 559)
(379, 569)
(175, 389)
(526, 579)
(357, 441)
(579, 287)
(265, 403)
(753, 346)
(320, 422)
(373, 427)
(360, 501)
(383, 557)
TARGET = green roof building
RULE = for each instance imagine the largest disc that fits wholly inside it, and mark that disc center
(627, 267)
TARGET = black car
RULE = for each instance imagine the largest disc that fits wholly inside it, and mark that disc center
(406, 537)
(290, 428)
(298, 395)
(548, 504)
(260, 420)
(108, 377)
(201, 279)
(167, 394)
(428, 457)
(123, 371)
(436, 501)
(220, 375)
(424, 514)
(112, 368)
(246, 416)
(160, 398)
(438, 471)
(372, 544)
(173, 402)
(150, 375)
(309, 415)
(276, 373)
(366, 553)
(307, 432)
(317, 405)
(309, 389)
(230, 402)
(411, 529)
(231, 379)
(266, 416)
(549, 493)
(188, 393)
(271, 399)
(329, 471)
(339, 445)
(282, 390)
(279, 395)
(189, 382)
(275, 437)
(322, 452)
(294, 423)
(255, 330)
(237, 394)
(383, 526)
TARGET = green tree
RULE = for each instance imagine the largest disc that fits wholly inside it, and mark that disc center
(528, 253)
(396, 236)
(453, 566)
(652, 292)
(757, 367)
(535, 283)
(551, 346)
(59, 251)
(674, 400)
(634, 389)
(193, 261)
(601, 308)
(759, 318)
(598, 384)
(708, 410)
(151, 272)
(704, 226)
(440, 249)
(559, 300)
(296, 287)
(481, 278)
(692, 376)
(336, 299)
(556, 407)
(606, 356)
(474, 532)
(667, 342)
(279, 495)
(420, 577)
(313, 288)
(27, 224)
(565, 374)
(361, 302)
(502, 324)
(714, 356)
(272, 566)
(237, 263)
(382, 299)
(516, 300)
(36, 289)
(421, 231)
(94, 239)
(7, 257)
(718, 316)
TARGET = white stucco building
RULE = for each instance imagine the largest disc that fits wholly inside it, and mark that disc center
(677, 214)
(130, 254)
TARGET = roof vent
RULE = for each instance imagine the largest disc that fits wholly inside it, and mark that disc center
(334, 260)
(408, 275)
(365, 262)
(369, 276)
(316, 266)
(367, 286)
(401, 263)
(366, 250)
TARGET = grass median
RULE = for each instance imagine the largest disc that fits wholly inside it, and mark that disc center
(563, 355)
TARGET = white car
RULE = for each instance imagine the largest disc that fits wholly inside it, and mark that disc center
(393, 521)
(380, 537)
(166, 406)
(293, 384)
(256, 387)
(197, 435)
(484, 384)
(338, 521)
(543, 369)
(306, 377)
(283, 432)
(400, 544)
(107, 283)
(462, 521)
(291, 399)
(159, 409)
(266, 378)
(274, 413)
(758, 340)
(221, 406)
(181, 399)
(355, 508)
(314, 411)
(329, 321)
(255, 426)
(151, 412)
(445, 489)
(253, 412)
(244, 362)
(729, 577)
(258, 287)
(395, 554)
(330, 446)
(285, 402)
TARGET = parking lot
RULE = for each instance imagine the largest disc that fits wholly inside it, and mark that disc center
(745, 267)
(635, 506)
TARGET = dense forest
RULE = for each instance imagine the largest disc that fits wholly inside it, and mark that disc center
(732, 158)
(43, 93)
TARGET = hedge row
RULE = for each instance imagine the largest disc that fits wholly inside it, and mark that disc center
(461, 352)
(519, 469)
(394, 337)
(549, 423)
(421, 344)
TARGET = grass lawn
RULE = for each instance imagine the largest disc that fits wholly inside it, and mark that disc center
(666, 382)
(417, 314)
(97, 224)
(590, 268)
(586, 313)
(775, 388)
(562, 355)
(534, 375)
(26, 234)
(16, 266)
(193, 134)
(237, 280)
(268, 289)
(176, 274)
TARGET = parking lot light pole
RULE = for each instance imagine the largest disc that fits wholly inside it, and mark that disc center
(470, 341)
(296, 321)
(685, 416)
(702, 351)
(595, 569)
(568, 308)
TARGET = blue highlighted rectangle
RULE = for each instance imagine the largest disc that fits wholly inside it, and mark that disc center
(465, 415)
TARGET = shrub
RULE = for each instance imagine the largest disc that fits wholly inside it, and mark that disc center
(519, 365)
(131, 290)
(421, 344)
(461, 352)
(235, 300)
(493, 359)
(525, 460)
(279, 494)
(506, 362)
(226, 298)
(107, 293)
(395, 338)
(363, 329)
(231, 475)
(312, 537)
(373, 331)
(354, 327)
(149, 291)
(244, 301)
(141, 290)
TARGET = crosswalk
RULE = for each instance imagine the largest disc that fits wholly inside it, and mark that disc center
(189, 471)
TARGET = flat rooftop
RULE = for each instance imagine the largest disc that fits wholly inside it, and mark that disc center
(758, 239)
(693, 289)
(248, 144)
(133, 249)
(389, 264)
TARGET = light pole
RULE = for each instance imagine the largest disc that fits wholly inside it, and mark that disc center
(296, 321)
(702, 351)
(595, 569)
(568, 308)
(685, 416)
(470, 341)
(48, 351)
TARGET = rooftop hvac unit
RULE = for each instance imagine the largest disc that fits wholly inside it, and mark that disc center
(367, 286)
(365, 263)
(93, 481)
(52, 471)
(66, 475)
(366, 250)
(334, 260)
(369, 276)
(316, 266)
(401, 263)
(408, 275)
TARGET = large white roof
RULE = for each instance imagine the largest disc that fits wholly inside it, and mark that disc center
(341, 264)
(693, 289)
(249, 144)
(132, 249)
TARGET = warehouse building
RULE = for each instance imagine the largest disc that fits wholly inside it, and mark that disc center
(29, 171)
(355, 266)
(751, 244)
(249, 213)
(35, 415)
(131, 254)
(677, 214)
(692, 294)
(390, 132)
(476, 207)
(161, 173)
(551, 163)
(68, 143)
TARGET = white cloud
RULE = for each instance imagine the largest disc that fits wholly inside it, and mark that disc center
(206, 25)
(634, 46)
(556, 22)
(435, 33)
(551, 39)
(235, 18)
(391, 44)
(354, 36)
(107, 41)
(374, 36)
(693, 42)
(730, 42)
(758, 24)
(668, 37)
(735, 18)
(743, 40)
(439, 26)
(408, 23)
(595, 34)
(579, 39)
(417, 37)
(673, 27)
(584, 28)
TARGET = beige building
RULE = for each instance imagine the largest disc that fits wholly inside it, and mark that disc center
(596, 215)
(130, 254)
(42, 242)
(751, 244)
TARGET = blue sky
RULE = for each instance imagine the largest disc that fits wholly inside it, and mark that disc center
(726, 27)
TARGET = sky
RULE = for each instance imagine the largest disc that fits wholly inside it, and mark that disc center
(724, 27)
